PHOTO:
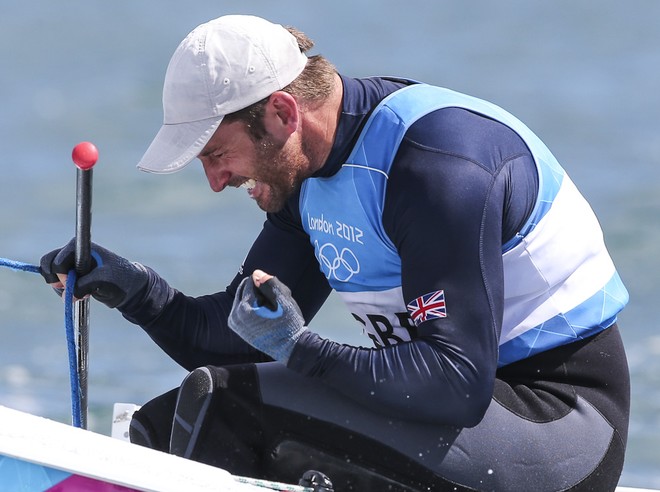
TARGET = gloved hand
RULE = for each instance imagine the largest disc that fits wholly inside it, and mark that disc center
(266, 316)
(113, 280)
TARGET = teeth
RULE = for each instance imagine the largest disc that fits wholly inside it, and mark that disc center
(249, 184)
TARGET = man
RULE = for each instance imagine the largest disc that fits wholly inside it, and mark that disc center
(459, 244)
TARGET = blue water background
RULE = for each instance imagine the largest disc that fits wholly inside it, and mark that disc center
(584, 75)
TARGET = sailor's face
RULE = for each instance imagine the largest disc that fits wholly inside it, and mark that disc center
(270, 170)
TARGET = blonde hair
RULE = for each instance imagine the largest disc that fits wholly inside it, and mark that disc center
(317, 79)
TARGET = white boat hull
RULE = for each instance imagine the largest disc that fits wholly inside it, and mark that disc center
(40, 455)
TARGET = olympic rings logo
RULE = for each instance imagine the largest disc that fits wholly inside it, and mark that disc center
(339, 265)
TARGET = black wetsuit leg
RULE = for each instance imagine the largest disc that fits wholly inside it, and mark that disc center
(558, 421)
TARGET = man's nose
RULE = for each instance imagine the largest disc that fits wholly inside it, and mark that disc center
(218, 178)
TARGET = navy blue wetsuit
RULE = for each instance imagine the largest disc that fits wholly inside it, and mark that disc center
(453, 405)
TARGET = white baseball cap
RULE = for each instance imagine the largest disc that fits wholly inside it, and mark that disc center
(222, 66)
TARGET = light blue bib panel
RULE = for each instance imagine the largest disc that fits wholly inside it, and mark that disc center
(560, 283)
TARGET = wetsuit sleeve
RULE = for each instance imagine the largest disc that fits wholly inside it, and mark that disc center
(193, 330)
(449, 199)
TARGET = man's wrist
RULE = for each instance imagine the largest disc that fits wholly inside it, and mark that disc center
(148, 301)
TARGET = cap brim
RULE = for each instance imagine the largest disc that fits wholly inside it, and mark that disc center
(175, 146)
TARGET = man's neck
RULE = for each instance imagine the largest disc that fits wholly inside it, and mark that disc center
(320, 126)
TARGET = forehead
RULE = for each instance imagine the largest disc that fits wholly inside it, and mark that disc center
(228, 134)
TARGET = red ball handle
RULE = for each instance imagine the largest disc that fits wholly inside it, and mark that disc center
(85, 155)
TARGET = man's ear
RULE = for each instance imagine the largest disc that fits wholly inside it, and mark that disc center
(282, 115)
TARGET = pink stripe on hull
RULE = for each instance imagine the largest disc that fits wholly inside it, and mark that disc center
(76, 483)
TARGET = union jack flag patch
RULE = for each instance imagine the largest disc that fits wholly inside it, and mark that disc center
(429, 306)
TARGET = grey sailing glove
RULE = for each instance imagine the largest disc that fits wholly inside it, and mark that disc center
(113, 280)
(267, 317)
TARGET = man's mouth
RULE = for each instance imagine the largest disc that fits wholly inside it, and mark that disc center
(249, 184)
